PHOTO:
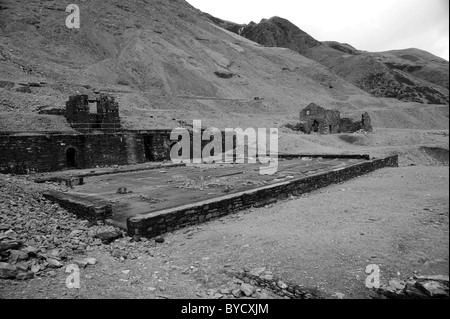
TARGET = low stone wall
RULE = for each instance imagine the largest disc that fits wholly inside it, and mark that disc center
(326, 156)
(69, 181)
(157, 223)
(92, 210)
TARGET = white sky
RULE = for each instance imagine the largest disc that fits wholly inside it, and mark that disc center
(367, 25)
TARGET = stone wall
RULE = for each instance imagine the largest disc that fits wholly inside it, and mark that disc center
(39, 153)
(89, 209)
(326, 156)
(22, 154)
(317, 119)
(79, 115)
(168, 220)
(347, 125)
(46, 153)
(77, 109)
(156, 145)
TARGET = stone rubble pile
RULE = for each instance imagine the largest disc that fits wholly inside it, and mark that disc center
(264, 278)
(237, 289)
(260, 283)
(417, 287)
(37, 236)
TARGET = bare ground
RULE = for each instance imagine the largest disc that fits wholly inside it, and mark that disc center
(396, 218)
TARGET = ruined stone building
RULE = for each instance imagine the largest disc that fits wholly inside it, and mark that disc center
(349, 126)
(316, 119)
(98, 140)
(87, 114)
(319, 120)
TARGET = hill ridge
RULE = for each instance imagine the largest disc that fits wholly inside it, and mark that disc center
(408, 75)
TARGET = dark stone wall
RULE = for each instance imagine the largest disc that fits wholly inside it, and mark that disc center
(157, 224)
(79, 116)
(156, 145)
(105, 150)
(348, 126)
(77, 109)
(40, 153)
(21, 154)
(47, 153)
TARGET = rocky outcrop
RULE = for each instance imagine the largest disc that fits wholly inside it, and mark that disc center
(278, 32)
(343, 47)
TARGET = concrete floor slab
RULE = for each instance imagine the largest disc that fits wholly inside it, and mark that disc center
(166, 188)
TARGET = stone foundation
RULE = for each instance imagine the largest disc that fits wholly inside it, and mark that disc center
(157, 223)
(92, 210)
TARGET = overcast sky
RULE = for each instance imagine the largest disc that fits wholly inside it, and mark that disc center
(367, 25)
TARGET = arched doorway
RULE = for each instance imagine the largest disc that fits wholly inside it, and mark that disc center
(71, 157)
(315, 126)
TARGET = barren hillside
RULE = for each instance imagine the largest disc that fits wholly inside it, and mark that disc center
(161, 58)
(168, 63)
(407, 75)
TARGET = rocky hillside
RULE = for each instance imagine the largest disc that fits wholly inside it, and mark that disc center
(277, 32)
(167, 63)
(407, 75)
(164, 61)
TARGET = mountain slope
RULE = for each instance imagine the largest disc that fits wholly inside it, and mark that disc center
(277, 32)
(407, 75)
(163, 60)
(419, 63)
(166, 64)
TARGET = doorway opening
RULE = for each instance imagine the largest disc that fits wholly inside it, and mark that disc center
(148, 146)
(71, 156)
(315, 126)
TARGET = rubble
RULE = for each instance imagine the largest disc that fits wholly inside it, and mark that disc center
(260, 277)
(247, 289)
(108, 236)
(119, 253)
(37, 236)
(417, 287)
(251, 284)
(8, 271)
